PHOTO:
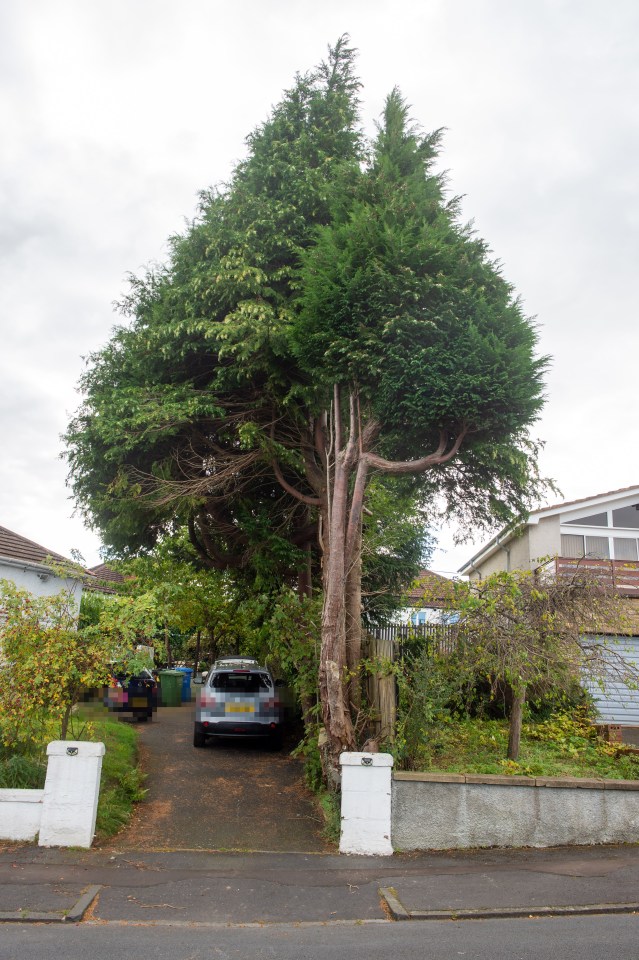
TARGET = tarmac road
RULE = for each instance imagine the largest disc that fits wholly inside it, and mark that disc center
(230, 795)
(582, 938)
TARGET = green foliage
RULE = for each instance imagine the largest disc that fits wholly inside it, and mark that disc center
(292, 635)
(403, 302)
(532, 629)
(125, 622)
(20, 770)
(396, 546)
(309, 750)
(430, 690)
(330, 805)
(330, 281)
(23, 766)
(564, 746)
(47, 662)
(325, 259)
(122, 783)
(50, 663)
(194, 376)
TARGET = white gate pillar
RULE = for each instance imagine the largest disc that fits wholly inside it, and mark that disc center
(71, 791)
(366, 803)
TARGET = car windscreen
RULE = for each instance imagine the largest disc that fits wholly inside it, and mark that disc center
(240, 682)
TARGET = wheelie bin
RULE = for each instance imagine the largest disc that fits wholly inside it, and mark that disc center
(170, 687)
(187, 673)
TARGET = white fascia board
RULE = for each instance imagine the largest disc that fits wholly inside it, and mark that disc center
(500, 540)
(624, 498)
(24, 565)
(33, 567)
(602, 505)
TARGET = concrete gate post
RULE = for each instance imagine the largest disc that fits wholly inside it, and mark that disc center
(71, 791)
(366, 803)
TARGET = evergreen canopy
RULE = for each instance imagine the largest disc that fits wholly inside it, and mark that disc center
(324, 261)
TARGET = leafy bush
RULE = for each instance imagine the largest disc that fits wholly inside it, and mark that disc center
(19, 771)
(430, 689)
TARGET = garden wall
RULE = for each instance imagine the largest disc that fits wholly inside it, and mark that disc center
(20, 814)
(447, 811)
(64, 813)
(384, 812)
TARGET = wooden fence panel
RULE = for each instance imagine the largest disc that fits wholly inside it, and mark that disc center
(388, 643)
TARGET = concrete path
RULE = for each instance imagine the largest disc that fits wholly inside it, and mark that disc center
(231, 795)
(194, 887)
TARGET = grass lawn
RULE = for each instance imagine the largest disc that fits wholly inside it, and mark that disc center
(558, 747)
(122, 782)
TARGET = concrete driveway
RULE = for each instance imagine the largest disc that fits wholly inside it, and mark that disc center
(230, 795)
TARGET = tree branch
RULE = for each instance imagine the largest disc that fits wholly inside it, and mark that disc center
(279, 476)
(417, 466)
(297, 494)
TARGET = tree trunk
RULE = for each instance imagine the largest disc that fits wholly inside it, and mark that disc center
(516, 714)
(354, 626)
(340, 496)
(333, 691)
(64, 728)
(198, 645)
(167, 641)
(335, 709)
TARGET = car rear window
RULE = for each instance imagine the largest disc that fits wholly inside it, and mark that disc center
(241, 682)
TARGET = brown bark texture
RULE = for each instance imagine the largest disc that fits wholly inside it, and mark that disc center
(338, 460)
(516, 715)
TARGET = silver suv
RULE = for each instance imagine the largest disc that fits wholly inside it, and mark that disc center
(239, 700)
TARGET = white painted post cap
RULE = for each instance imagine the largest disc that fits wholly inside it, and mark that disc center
(75, 748)
(366, 760)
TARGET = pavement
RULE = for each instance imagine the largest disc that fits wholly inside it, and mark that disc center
(207, 887)
(231, 836)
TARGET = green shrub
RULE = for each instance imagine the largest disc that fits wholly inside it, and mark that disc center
(20, 771)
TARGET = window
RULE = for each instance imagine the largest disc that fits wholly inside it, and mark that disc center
(419, 617)
(595, 520)
(625, 549)
(572, 545)
(598, 548)
(241, 682)
(626, 517)
(593, 548)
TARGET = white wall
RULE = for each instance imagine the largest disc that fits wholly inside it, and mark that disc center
(39, 581)
(366, 803)
(64, 813)
(545, 539)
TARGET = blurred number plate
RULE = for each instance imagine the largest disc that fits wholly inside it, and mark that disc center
(239, 708)
(138, 702)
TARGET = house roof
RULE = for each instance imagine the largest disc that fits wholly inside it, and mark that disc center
(104, 572)
(505, 535)
(429, 589)
(15, 547)
(104, 577)
(589, 501)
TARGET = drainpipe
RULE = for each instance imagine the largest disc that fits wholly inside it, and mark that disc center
(507, 552)
(476, 569)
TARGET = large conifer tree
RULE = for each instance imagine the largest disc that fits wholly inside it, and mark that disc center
(325, 318)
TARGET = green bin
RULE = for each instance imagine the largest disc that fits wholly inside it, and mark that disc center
(171, 687)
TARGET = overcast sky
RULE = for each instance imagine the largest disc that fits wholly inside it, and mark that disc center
(115, 113)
